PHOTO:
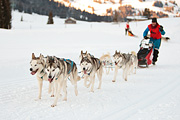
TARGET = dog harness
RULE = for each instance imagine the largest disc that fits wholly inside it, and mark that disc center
(71, 63)
(42, 72)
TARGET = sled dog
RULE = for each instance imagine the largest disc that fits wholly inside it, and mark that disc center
(134, 59)
(106, 62)
(38, 68)
(90, 66)
(125, 61)
(59, 70)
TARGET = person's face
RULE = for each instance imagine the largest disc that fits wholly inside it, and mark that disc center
(154, 24)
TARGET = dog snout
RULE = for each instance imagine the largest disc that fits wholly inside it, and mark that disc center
(84, 68)
(31, 69)
(50, 76)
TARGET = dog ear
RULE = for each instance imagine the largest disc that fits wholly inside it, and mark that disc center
(41, 56)
(81, 52)
(86, 52)
(33, 56)
(47, 61)
(116, 52)
(88, 56)
(55, 59)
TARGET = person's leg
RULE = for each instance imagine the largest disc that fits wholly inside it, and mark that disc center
(125, 31)
(157, 44)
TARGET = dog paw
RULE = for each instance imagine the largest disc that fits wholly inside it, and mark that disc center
(76, 93)
(113, 80)
(37, 99)
(65, 99)
(92, 91)
(52, 95)
(53, 105)
(88, 85)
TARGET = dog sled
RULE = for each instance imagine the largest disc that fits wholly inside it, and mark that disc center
(145, 54)
(131, 34)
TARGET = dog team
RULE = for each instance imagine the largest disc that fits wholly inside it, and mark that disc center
(58, 70)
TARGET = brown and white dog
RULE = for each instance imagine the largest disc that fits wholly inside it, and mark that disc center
(127, 62)
(38, 68)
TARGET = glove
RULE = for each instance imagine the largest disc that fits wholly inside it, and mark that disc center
(145, 37)
(161, 28)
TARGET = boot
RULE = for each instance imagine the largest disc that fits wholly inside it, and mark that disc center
(155, 56)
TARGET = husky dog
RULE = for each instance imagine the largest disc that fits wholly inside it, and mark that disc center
(90, 66)
(134, 59)
(59, 70)
(124, 61)
(106, 62)
(38, 68)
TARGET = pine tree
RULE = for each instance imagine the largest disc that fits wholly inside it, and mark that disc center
(5, 14)
(1, 14)
(147, 13)
(50, 19)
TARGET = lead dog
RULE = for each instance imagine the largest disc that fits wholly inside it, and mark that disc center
(38, 68)
(90, 66)
(58, 70)
(127, 62)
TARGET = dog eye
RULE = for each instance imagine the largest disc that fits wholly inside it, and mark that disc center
(86, 64)
(48, 70)
(35, 65)
(53, 70)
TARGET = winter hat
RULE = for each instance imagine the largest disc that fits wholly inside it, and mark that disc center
(154, 20)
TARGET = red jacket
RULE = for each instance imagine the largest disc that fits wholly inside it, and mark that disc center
(154, 31)
(127, 26)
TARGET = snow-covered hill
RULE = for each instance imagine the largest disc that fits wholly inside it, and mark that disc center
(100, 6)
(151, 94)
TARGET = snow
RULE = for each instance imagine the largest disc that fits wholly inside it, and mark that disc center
(151, 94)
(100, 9)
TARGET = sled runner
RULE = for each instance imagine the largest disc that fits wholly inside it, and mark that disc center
(145, 54)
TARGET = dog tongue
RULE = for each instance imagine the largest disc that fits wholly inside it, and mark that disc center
(84, 71)
(33, 72)
(50, 80)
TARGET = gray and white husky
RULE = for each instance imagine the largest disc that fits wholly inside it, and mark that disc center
(59, 70)
(90, 66)
(38, 68)
(128, 62)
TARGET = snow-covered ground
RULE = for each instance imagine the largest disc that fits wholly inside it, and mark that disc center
(151, 94)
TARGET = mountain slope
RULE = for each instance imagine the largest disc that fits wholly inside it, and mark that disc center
(100, 6)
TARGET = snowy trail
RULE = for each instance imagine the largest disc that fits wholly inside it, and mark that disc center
(150, 99)
(152, 93)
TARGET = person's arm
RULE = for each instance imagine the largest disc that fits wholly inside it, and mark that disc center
(146, 32)
(162, 30)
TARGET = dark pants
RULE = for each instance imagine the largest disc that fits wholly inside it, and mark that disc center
(155, 55)
(156, 46)
(126, 31)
